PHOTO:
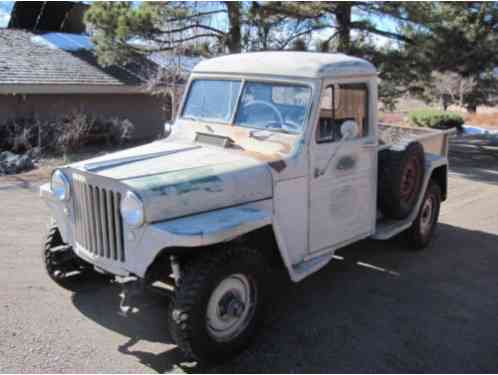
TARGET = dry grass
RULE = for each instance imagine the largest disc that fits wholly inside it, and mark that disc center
(487, 120)
(396, 118)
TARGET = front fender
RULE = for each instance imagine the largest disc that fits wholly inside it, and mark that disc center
(202, 230)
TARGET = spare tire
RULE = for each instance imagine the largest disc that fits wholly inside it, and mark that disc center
(401, 173)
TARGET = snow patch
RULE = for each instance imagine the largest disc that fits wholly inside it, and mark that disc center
(4, 18)
(475, 130)
(64, 41)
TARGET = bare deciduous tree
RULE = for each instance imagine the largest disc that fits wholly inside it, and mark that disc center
(450, 88)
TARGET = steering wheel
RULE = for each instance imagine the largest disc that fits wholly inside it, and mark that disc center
(272, 107)
(291, 124)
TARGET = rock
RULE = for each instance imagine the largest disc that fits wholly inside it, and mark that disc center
(11, 163)
(24, 163)
(7, 156)
(34, 153)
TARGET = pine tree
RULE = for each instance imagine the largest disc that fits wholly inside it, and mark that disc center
(461, 38)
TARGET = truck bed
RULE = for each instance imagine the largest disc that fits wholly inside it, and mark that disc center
(433, 141)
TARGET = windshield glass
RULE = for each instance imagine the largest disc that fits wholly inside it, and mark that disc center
(273, 106)
(212, 100)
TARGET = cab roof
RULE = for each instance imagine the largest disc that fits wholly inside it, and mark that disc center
(287, 63)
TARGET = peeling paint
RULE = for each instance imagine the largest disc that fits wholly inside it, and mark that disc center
(214, 222)
(346, 162)
(185, 181)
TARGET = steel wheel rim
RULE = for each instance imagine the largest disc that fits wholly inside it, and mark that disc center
(231, 307)
(427, 215)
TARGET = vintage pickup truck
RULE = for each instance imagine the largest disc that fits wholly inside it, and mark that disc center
(275, 159)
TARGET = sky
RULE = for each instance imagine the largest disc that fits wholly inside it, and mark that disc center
(5, 8)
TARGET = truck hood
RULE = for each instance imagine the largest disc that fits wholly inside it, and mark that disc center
(176, 179)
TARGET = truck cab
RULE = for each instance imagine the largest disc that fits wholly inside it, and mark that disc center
(274, 159)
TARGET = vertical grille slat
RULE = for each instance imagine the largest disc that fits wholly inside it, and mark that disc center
(88, 224)
(76, 211)
(91, 234)
(98, 223)
(84, 215)
(93, 218)
(91, 215)
(110, 215)
(119, 228)
(103, 218)
(81, 216)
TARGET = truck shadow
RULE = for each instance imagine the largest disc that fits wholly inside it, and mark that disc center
(376, 307)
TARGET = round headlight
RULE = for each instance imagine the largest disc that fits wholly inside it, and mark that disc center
(60, 186)
(132, 210)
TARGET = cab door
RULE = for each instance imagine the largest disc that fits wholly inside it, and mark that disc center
(343, 181)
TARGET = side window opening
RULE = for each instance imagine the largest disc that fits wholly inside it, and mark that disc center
(340, 103)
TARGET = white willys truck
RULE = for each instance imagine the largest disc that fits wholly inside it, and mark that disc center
(275, 159)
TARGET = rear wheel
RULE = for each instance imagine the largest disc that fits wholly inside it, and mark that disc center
(218, 304)
(422, 230)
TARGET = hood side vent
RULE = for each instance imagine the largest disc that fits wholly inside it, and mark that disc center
(214, 139)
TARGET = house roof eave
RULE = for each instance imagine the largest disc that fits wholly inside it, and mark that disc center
(50, 89)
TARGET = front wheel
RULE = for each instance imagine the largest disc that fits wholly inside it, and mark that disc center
(62, 265)
(422, 230)
(219, 303)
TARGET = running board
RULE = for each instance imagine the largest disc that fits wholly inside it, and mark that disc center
(387, 229)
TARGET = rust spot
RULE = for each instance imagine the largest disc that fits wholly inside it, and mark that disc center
(278, 165)
(286, 147)
(260, 156)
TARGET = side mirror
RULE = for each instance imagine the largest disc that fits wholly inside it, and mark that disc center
(349, 129)
(168, 128)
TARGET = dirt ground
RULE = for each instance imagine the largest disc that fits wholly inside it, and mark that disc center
(382, 308)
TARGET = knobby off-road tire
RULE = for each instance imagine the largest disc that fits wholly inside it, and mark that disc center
(401, 174)
(421, 232)
(200, 292)
(70, 272)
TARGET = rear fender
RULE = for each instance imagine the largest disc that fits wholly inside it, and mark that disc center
(440, 176)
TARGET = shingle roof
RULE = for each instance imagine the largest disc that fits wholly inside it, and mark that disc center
(23, 62)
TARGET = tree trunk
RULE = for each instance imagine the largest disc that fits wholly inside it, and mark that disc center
(343, 19)
(234, 34)
(471, 108)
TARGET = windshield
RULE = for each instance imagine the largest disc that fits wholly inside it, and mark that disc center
(274, 106)
(212, 100)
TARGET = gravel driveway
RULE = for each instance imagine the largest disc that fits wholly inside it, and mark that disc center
(381, 308)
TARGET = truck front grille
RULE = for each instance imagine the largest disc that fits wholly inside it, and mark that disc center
(99, 226)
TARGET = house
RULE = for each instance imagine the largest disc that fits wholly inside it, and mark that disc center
(45, 75)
